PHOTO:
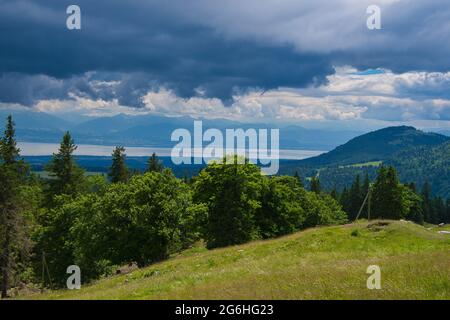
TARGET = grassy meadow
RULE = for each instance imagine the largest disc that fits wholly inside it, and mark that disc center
(319, 263)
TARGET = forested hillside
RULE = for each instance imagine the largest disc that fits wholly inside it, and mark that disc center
(418, 157)
(425, 164)
(376, 146)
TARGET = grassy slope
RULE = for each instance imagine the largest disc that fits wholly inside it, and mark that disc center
(321, 263)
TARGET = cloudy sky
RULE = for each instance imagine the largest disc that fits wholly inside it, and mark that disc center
(305, 61)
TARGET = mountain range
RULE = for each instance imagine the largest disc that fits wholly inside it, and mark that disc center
(155, 130)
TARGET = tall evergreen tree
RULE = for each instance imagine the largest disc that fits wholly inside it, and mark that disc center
(447, 215)
(412, 187)
(118, 171)
(68, 176)
(366, 185)
(315, 185)
(344, 200)
(297, 176)
(426, 203)
(12, 226)
(438, 210)
(334, 193)
(387, 199)
(355, 198)
(154, 164)
(9, 150)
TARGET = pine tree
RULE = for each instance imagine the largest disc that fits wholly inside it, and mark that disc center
(447, 215)
(365, 186)
(355, 198)
(334, 193)
(315, 185)
(118, 171)
(154, 164)
(426, 204)
(438, 210)
(299, 179)
(344, 200)
(9, 150)
(387, 200)
(68, 176)
(412, 187)
(12, 225)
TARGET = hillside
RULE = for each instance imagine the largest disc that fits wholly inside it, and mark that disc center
(423, 164)
(320, 263)
(376, 146)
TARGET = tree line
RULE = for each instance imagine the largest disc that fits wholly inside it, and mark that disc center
(100, 223)
(387, 198)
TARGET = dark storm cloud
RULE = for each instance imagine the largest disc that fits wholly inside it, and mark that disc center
(220, 47)
(141, 45)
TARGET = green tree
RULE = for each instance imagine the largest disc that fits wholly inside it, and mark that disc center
(143, 221)
(281, 210)
(315, 185)
(387, 195)
(232, 192)
(426, 204)
(297, 176)
(67, 177)
(334, 193)
(344, 200)
(414, 206)
(154, 164)
(438, 210)
(356, 198)
(118, 171)
(447, 215)
(13, 233)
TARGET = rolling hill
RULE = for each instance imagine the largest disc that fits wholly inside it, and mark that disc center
(319, 263)
(426, 163)
(377, 146)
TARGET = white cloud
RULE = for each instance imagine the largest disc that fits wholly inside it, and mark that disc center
(348, 95)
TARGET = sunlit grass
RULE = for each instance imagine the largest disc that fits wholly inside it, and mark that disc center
(320, 263)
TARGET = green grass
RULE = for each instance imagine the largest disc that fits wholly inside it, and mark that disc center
(365, 164)
(320, 263)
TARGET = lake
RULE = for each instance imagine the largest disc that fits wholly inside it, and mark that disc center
(45, 149)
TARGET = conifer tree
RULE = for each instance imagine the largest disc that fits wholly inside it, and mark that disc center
(447, 215)
(297, 176)
(315, 185)
(118, 171)
(12, 226)
(334, 193)
(426, 203)
(355, 198)
(154, 164)
(387, 200)
(344, 200)
(366, 185)
(68, 176)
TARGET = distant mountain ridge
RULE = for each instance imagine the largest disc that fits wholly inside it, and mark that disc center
(155, 130)
(377, 146)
